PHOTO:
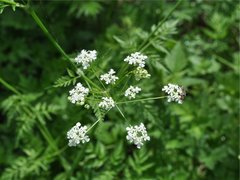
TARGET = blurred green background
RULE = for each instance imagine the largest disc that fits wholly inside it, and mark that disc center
(197, 47)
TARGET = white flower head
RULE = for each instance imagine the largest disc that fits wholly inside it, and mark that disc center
(175, 93)
(137, 135)
(136, 59)
(77, 94)
(86, 57)
(109, 77)
(132, 91)
(77, 134)
(107, 103)
(141, 73)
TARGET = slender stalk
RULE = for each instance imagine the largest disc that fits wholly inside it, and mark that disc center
(122, 78)
(225, 62)
(148, 44)
(158, 26)
(46, 32)
(125, 84)
(75, 163)
(93, 125)
(144, 99)
(9, 86)
(47, 135)
(56, 45)
(90, 81)
(95, 74)
(121, 112)
(12, 3)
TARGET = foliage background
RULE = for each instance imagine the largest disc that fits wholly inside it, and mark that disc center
(198, 47)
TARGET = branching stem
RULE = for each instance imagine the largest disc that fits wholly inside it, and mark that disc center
(158, 26)
(138, 100)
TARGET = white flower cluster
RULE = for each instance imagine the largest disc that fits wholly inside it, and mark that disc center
(86, 57)
(141, 73)
(78, 94)
(175, 93)
(132, 91)
(136, 59)
(137, 135)
(107, 103)
(77, 134)
(109, 77)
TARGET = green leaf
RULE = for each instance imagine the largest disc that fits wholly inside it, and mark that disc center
(65, 81)
(97, 111)
(90, 9)
(216, 155)
(70, 73)
(103, 133)
(176, 60)
(175, 144)
(2, 6)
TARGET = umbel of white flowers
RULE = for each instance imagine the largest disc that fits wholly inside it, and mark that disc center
(107, 103)
(132, 91)
(86, 57)
(137, 135)
(77, 134)
(109, 77)
(77, 94)
(175, 93)
(136, 59)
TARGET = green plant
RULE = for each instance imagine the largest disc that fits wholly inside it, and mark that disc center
(195, 47)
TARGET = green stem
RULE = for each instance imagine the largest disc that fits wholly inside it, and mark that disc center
(10, 87)
(93, 125)
(12, 3)
(144, 99)
(158, 26)
(58, 47)
(148, 44)
(29, 110)
(225, 62)
(95, 74)
(75, 163)
(121, 112)
(90, 81)
(46, 32)
(47, 135)
(122, 78)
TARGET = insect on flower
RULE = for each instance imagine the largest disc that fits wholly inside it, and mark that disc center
(175, 93)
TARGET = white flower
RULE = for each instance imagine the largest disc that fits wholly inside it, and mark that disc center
(141, 73)
(137, 135)
(86, 57)
(107, 103)
(132, 91)
(175, 93)
(77, 134)
(136, 59)
(78, 94)
(109, 77)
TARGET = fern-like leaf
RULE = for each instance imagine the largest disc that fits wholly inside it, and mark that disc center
(65, 81)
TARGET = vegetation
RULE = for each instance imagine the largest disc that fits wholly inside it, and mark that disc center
(194, 44)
